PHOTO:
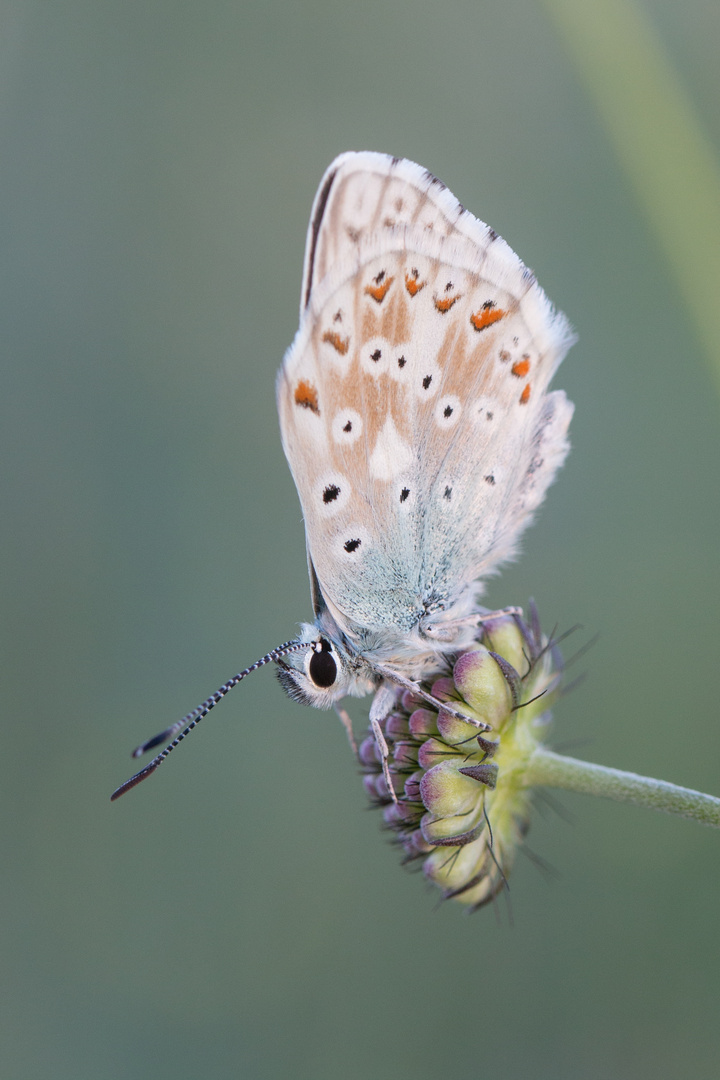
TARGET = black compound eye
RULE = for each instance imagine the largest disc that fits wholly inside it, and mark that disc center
(322, 668)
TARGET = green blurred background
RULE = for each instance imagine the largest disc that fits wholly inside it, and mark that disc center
(242, 913)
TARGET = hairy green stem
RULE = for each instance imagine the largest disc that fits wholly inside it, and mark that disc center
(548, 769)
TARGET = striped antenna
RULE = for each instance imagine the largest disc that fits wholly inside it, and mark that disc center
(185, 726)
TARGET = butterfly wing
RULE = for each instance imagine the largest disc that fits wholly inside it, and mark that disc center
(413, 402)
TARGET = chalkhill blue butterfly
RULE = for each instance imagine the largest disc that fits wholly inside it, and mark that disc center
(416, 419)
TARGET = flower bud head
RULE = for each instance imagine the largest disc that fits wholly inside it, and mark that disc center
(461, 805)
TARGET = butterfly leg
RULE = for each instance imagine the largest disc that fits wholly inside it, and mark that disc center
(381, 706)
(496, 614)
(347, 724)
(415, 688)
(451, 631)
(382, 746)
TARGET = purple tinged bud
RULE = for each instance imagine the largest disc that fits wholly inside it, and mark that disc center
(422, 723)
(431, 752)
(391, 814)
(405, 753)
(420, 844)
(383, 792)
(410, 701)
(443, 689)
(381, 789)
(396, 726)
(412, 787)
(369, 784)
(408, 813)
(367, 752)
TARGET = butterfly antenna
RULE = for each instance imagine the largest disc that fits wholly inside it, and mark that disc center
(185, 726)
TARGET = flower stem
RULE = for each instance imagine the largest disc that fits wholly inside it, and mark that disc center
(548, 769)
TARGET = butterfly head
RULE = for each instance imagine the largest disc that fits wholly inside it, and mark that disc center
(322, 673)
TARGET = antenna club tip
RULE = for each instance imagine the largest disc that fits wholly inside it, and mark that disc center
(185, 726)
(134, 780)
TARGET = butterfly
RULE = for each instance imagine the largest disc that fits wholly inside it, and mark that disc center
(417, 423)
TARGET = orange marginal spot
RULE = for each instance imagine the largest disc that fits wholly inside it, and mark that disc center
(521, 368)
(525, 396)
(379, 292)
(412, 284)
(446, 303)
(486, 316)
(340, 344)
(307, 397)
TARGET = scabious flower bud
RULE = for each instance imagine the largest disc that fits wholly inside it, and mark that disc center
(461, 804)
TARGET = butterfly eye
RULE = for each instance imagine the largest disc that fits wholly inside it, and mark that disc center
(322, 668)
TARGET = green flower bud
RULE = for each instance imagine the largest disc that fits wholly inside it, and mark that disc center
(446, 792)
(505, 638)
(486, 686)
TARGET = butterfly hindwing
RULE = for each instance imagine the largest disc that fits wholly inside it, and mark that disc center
(413, 402)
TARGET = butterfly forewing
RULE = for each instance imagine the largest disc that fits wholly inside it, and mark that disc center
(412, 403)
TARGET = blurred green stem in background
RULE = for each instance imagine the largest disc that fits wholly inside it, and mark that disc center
(660, 142)
(548, 769)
